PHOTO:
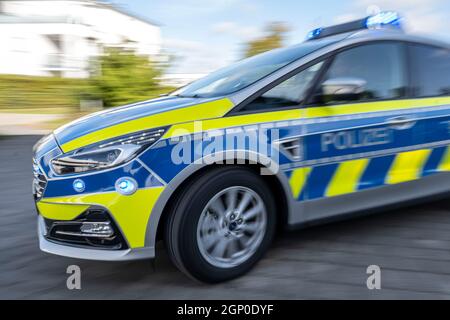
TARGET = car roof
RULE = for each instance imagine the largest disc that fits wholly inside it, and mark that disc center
(381, 34)
(394, 34)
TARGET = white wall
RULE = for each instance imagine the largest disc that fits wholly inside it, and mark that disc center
(17, 55)
(84, 27)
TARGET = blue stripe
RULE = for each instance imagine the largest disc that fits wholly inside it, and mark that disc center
(375, 173)
(288, 174)
(102, 182)
(433, 161)
(319, 180)
(303, 194)
(160, 160)
(167, 160)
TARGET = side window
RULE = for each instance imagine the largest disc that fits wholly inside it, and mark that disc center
(430, 71)
(366, 73)
(288, 93)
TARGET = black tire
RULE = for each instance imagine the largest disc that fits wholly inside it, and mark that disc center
(181, 226)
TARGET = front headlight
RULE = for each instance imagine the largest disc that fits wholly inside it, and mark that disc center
(106, 154)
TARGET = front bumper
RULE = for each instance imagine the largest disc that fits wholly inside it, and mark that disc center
(57, 201)
(130, 213)
(88, 253)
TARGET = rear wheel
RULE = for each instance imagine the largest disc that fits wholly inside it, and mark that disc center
(221, 225)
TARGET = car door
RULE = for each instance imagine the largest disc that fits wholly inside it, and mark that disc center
(430, 74)
(288, 93)
(361, 132)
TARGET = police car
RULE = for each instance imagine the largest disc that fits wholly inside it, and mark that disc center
(355, 118)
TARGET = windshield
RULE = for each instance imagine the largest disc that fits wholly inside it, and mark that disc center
(248, 71)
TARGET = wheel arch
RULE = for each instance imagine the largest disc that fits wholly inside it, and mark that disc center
(276, 180)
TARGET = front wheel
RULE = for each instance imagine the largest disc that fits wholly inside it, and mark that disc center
(221, 225)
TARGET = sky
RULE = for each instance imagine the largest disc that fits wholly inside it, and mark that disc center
(205, 35)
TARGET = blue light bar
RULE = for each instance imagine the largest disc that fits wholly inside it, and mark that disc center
(387, 18)
(314, 34)
(378, 21)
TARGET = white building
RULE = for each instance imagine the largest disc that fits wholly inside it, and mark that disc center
(58, 37)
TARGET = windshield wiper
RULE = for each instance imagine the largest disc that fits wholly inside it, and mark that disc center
(195, 96)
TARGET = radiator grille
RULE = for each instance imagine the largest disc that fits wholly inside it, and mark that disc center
(39, 181)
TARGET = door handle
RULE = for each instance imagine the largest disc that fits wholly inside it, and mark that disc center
(401, 122)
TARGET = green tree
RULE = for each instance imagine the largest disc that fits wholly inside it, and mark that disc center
(121, 76)
(274, 37)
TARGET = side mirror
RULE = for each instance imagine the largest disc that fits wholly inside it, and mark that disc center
(342, 89)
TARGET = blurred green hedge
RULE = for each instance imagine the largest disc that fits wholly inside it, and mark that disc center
(60, 94)
(27, 92)
(121, 76)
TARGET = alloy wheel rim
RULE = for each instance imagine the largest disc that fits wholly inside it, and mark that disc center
(231, 227)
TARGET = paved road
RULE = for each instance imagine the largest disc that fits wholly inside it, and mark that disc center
(412, 247)
(25, 124)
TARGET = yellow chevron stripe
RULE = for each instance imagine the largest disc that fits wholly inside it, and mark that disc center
(209, 116)
(220, 123)
(295, 114)
(206, 110)
(347, 177)
(445, 164)
(298, 180)
(407, 166)
(57, 211)
(346, 109)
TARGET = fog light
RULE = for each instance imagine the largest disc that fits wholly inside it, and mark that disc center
(78, 185)
(97, 229)
(126, 186)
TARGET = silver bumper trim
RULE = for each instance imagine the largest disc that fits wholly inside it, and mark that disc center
(90, 254)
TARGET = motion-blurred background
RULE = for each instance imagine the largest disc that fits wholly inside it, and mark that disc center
(60, 59)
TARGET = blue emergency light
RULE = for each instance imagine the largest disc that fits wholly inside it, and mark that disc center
(384, 19)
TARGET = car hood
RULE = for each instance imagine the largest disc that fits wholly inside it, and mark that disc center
(137, 117)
